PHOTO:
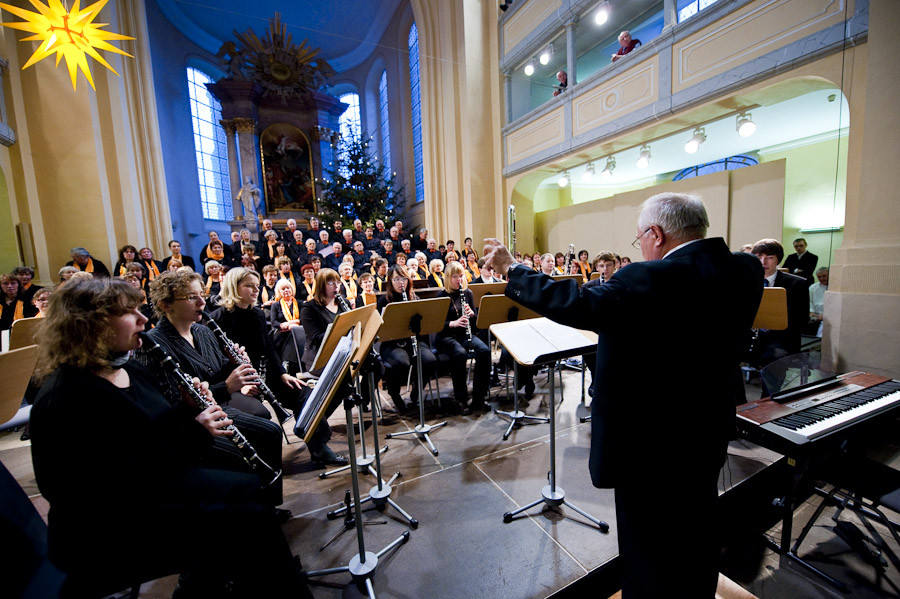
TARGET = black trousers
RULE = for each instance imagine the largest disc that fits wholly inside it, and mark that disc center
(397, 360)
(456, 352)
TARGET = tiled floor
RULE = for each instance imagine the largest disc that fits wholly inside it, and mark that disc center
(461, 547)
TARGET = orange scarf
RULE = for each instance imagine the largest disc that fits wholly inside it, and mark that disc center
(122, 272)
(209, 283)
(88, 268)
(272, 250)
(585, 270)
(213, 256)
(439, 279)
(291, 279)
(309, 290)
(18, 311)
(152, 269)
(469, 275)
(265, 294)
(349, 289)
(291, 312)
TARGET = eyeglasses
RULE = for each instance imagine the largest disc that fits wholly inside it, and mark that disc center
(194, 299)
(333, 283)
(398, 279)
(636, 244)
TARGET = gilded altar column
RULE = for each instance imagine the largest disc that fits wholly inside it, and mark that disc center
(248, 161)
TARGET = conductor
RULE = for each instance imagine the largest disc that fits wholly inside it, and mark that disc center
(666, 381)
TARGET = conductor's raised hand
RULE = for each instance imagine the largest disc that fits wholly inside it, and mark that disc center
(497, 256)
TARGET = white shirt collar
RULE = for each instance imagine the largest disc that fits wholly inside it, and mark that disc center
(678, 247)
(771, 279)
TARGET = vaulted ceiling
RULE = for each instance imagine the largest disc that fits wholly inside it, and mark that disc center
(346, 31)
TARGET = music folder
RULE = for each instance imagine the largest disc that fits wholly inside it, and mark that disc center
(540, 340)
(494, 309)
(341, 325)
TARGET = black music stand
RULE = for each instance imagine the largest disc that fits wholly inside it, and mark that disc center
(496, 309)
(405, 319)
(363, 565)
(380, 494)
(539, 341)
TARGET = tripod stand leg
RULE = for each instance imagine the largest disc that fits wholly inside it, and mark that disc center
(603, 526)
(508, 516)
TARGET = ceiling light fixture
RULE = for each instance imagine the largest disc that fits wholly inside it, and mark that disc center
(693, 144)
(544, 58)
(643, 160)
(563, 180)
(602, 14)
(606, 173)
(529, 68)
(588, 175)
(745, 126)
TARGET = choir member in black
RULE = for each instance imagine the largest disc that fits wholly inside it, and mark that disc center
(307, 286)
(145, 308)
(25, 274)
(249, 256)
(371, 243)
(175, 250)
(366, 294)
(220, 253)
(473, 272)
(83, 261)
(142, 484)
(268, 252)
(380, 234)
(346, 241)
(360, 258)
(334, 259)
(584, 265)
(397, 355)
(237, 249)
(285, 271)
(313, 231)
(454, 341)
(388, 252)
(173, 265)
(308, 254)
(358, 233)
(401, 259)
(12, 308)
(297, 247)
(246, 325)
(436, 278)
(381, 268)
(284, 324)
(287, 236)
(213, 283)
(349, 289)
(468, 249)
(66, 272)
(267, 289)
(323, 242)
(127, 253)
(40, 301)
(152, 265)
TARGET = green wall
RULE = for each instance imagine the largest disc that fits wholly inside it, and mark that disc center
(9, 252)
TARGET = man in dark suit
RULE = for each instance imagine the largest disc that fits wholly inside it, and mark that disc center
(670, 332)
(771, 345)
(803, 263)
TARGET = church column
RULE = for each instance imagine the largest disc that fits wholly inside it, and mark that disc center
(670, 14)
(570, 54)
(248, 159)
(234, 167)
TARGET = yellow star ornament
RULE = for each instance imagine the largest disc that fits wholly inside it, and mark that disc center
(67, 33)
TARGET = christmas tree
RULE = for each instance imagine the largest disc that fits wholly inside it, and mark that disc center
(356, 185)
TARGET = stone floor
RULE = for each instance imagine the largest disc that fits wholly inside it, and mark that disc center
(462, 548)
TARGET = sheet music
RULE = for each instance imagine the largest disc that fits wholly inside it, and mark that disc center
(537, 337)
(559, 336)
(324, 384)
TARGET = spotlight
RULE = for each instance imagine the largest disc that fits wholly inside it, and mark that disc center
(643, 160)
(529, 69)
(606, 173)
(563, 180)
(693, 144)
(745, 126)
(602, 15)
(544, 58)
(588, 173)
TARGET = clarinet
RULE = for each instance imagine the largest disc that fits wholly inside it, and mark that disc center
(470, 349)
(413, 340)
(569, 256)
(343, 302)
(281, 413)
(186, 383)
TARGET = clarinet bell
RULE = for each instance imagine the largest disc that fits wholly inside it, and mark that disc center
(281, 413)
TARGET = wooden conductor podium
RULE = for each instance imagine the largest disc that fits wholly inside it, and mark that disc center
(407, 319)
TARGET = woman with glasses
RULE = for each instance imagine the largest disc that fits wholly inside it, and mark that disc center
(398, 355)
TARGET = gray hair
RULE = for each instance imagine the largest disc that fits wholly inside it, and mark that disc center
(79, 251)
(821, 269)
(680, 215)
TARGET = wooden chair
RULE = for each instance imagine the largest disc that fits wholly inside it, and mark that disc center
(22, 332)
(17, 366)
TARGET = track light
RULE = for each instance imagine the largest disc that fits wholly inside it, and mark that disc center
(693, 144)
(606, 173)
(529, 69)
(745, 126)
(588, 175)
(563, 180)
(602, 14)
(544, 58)
(643, 160)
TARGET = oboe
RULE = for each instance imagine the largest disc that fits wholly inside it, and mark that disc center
(246, 450)
(463, 305)
(281, 413)
(413, 340)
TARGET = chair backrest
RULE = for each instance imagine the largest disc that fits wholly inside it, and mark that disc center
(22, 332)
(17, 367)
(772, 313)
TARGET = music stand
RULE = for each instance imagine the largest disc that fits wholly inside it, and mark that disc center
(405, 319)
(596, 275)
(363, 565)
(540, 341)
(479, 290)
(577, 278)
(496, 309)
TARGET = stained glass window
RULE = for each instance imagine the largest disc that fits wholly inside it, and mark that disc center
(210, 146)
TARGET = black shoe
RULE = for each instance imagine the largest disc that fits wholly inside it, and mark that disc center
(399, 404)
(328, 457)
(466, 411)
(529, 390)
(282, 516)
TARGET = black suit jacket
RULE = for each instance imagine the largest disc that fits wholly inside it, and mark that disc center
(671, 333)
(803, 266)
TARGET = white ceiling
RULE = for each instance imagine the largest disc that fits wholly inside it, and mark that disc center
(799, 120)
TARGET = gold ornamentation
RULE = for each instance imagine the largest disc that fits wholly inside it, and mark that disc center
(70, 34)
(244, 125)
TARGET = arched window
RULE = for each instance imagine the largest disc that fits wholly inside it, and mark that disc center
(210, 146)
(350, 124)
(416, 103)
(724, 164)
(385, 124)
